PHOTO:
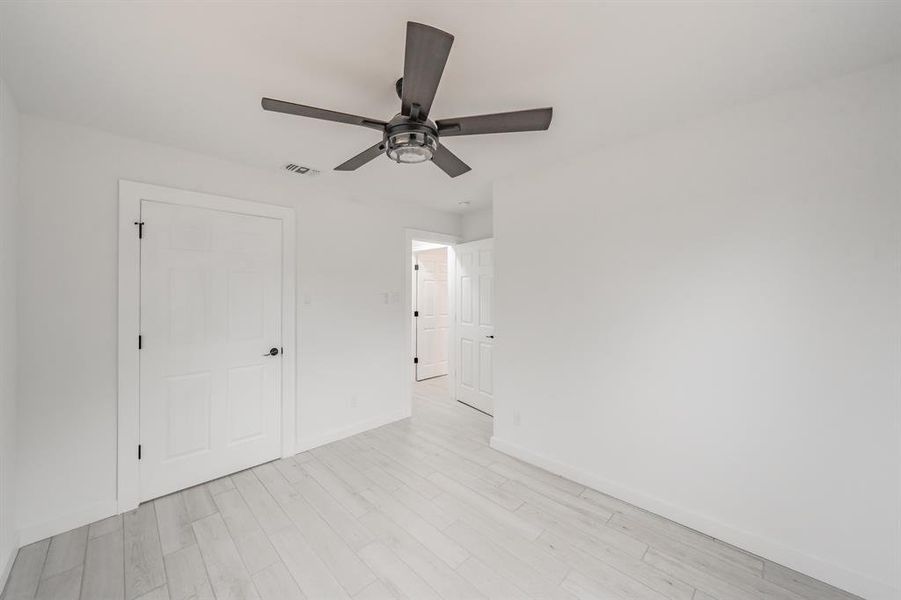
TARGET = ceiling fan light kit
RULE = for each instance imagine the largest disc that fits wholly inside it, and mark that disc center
(410, 142)
(410, 137)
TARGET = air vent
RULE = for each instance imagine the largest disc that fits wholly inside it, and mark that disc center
(300, 170)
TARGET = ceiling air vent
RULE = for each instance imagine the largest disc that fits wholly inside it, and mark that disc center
(300, 170)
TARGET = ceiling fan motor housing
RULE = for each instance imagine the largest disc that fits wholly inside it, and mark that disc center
(410, 141)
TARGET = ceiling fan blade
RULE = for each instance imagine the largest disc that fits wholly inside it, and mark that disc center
(320, 113)
(448, 162)
(426, 54)
(362, 158)
(536, 119)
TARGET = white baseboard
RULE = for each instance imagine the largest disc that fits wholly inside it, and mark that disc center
(314, 441)
(84, 516)
(101, 510)
(772, 550)
(7, 565)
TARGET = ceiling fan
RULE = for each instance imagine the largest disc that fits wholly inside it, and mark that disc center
(410, 137)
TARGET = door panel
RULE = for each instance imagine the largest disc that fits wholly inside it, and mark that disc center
(210, 309)
(187, 415)
(486, 369)
(246, 400)
(466, 310)
(465, 368)
(433, 322)
(486, 299)
(475, 324)
(245, 305)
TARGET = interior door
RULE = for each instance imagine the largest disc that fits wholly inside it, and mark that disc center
(431, 313)
(210, 358)
(474, 342)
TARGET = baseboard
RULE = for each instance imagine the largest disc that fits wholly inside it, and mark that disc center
(7, 565)
(84, 516)
(314, 441)
(101, 510)
(772, 550)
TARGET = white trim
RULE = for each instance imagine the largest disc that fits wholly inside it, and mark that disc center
(130, 195)
(772, 550)
(72, 520)
(314, 441)
(408, 371)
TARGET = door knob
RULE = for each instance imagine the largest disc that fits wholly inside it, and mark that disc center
(272, 352)
(490, 337)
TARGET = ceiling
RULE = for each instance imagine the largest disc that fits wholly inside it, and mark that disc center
(191, 75)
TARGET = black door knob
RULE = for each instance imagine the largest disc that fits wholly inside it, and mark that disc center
(272, 352)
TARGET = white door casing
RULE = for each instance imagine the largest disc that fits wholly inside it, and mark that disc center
(432, 316)
(210, 313)
(474, 339)
(208, 341)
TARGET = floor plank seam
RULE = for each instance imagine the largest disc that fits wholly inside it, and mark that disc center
(422, 507)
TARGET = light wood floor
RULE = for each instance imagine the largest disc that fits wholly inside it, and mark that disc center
(418, 509)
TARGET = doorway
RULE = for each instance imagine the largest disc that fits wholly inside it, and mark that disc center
(431, 310)
(207, 288)
(451, 351)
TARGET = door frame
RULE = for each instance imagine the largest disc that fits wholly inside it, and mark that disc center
(408, 370)
(131, 193)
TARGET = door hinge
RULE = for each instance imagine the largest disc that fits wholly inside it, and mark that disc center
(139, 451)
(140, 225)
(415, 267)
(415, 313)
(140, 341)
(415, 360)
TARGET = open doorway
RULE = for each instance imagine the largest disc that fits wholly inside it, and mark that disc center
(450, 297)
(431, 310)
(432, 319)
(430, 301)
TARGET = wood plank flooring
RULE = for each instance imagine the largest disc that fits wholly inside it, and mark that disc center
(418, 509)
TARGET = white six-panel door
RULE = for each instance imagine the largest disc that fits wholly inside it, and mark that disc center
(210, 313)
(432, 320)
(474, 343)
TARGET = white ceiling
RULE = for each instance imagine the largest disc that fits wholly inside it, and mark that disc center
(191, 74)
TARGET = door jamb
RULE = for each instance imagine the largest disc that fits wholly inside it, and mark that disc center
(408, 371)
(130, 195)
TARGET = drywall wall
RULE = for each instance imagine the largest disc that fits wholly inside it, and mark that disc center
(9, 159)
(705, 323)
(477, 225)
(352, 343)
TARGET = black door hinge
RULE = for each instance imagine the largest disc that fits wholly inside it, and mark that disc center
(140, 225)
(139, 451)
(415, 267)
(415, 313)
(415, 360)
(140, 341)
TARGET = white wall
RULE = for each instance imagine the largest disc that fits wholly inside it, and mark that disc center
(477, 225)
(352, 344)
(9, 159)
(706, 323)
